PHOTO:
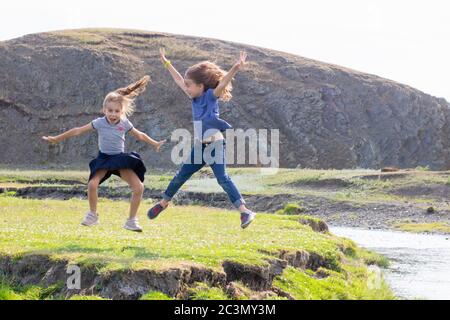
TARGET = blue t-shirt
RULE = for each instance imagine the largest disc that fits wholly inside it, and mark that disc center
(205, 111)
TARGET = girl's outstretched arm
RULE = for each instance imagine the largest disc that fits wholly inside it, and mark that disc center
(230, 74)
(141, 136)
(177, 77)
(69, 134)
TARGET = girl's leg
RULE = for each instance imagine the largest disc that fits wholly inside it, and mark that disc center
(186, 171)
(224, 180)
(93, 189)
(137, 188)
(228, 186)
(219, 169)
(183, 175)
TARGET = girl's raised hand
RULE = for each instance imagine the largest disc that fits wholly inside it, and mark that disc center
(162, 55)
(242, 59)
(159, 144)
(50, 139)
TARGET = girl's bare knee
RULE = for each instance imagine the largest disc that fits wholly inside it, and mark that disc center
(138, 188)
(93, 185)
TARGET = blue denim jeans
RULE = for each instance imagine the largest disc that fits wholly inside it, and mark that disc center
(197, 162)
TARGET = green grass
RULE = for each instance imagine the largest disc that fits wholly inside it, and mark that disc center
(84, 37)
(206, 236)
(291, 209)
(183, 234)
(297, 181)
(440, 227)
(359, 192)
(65, 178)
(354, 283)
(155, 295)
(104, 38)
(8, 175)
(252, 181)
(195, 234)
(10, 291)
(202, 291)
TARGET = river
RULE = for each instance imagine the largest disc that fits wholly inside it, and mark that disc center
(420, 263)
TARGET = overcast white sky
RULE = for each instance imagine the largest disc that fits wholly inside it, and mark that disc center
(407, 41)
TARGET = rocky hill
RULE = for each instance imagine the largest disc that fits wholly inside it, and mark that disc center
(329, 116)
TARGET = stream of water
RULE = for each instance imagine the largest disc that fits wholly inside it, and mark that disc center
(420, 263)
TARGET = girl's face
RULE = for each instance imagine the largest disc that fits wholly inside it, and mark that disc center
(113, 112)
(194, 89)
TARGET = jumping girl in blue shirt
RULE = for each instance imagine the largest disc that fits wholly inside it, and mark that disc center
(205, 83)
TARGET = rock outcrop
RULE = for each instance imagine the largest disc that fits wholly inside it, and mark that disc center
(328, 116)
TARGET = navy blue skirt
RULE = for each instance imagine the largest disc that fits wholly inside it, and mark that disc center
(113, 163)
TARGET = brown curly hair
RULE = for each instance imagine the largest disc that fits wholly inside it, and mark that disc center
(209, 75)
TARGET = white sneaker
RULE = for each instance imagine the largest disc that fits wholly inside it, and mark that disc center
(133, 225)
(91, 219)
